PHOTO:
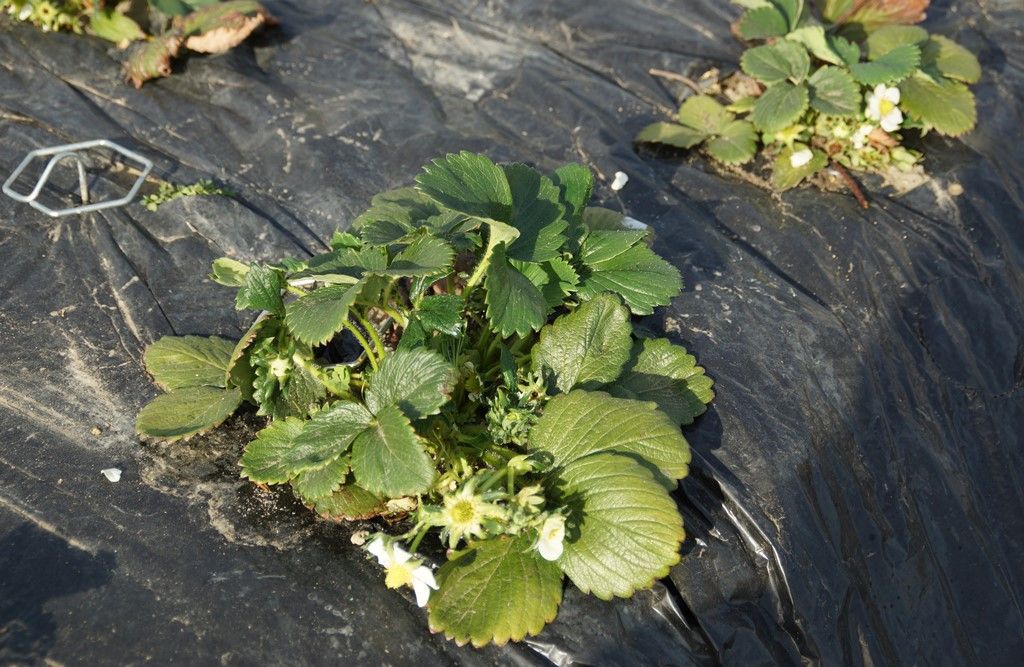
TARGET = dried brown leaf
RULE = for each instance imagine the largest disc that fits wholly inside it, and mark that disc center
(221, 27)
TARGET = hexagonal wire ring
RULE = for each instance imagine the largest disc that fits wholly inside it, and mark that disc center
(69, 151)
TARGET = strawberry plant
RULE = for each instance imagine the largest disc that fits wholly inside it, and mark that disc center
(832, 82)
(463, 362)
(202, 26)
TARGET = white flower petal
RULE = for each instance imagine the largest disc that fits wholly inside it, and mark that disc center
(422, 583)
(378, 549)
(550, 549)
(892, 120)
(892, 94)
(112, 474)
(423, 575)
(620, 181)
(552, 536)
(399, 555)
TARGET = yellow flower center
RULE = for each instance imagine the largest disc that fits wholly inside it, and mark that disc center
(885, 107)
(400, 574)
(463, 512)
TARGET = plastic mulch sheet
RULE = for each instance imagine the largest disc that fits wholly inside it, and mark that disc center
(856, 494)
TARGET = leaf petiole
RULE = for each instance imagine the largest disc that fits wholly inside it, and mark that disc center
(354, 330)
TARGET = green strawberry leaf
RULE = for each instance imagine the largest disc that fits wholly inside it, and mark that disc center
(536, 214)
(623, 531)
(889, 37)
(349, 502)
(950, 59)
(345, 266)
(562, 281)
(189, 361)
(264, 459)
(323, 481)
(587, 347)
(892, 66)
(762, 23)
(228, 272)
(418, 381)
(575, 183)
(670, 134)
(847, 50)
(582, 423)
(114, 26)
(325, 437)
(388, 458)
(303, 393)
(597, 219)
(834, 92)
(815, 40)
(791, 9)
(776, 62)
(261, 291)
(618, 262)
(496, 591)
(170, 7)
(514, 304)
(186, 411)
(743, 105)
(393, 215)
(239, 368)
(705, 114)
(442, 313)
(468, 183)
(425, 256)
(317, 316)
(736, 144)
(780, 106)
(667, 375)
(948, 106)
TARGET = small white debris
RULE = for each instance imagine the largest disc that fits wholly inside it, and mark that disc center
(801, 158)
(633, 223)
(620, 181)
(359, 537)
(112, 474)
(955, 189)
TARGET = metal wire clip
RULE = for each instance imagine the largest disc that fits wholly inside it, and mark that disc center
(71, 152)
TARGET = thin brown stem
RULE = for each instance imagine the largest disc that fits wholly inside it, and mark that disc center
(673, 76)
(852, 184)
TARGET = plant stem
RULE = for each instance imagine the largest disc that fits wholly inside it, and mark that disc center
(419, 538)
(354, 330)
(396, 315)
(852, 184)
(665, 74)
(484, 263)
(372, 330)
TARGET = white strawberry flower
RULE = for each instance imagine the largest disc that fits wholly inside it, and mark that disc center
(402, 570)
(552, 535)
(882, 107)
(800, 158)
